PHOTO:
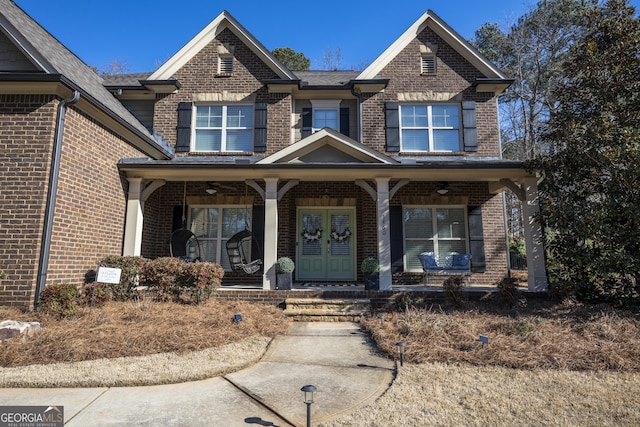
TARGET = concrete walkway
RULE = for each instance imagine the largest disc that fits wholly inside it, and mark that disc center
(335, 357)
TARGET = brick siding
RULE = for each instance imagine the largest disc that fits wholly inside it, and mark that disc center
(27, 125)
(91, 197)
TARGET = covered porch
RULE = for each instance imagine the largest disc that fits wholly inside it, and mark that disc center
(328, 194)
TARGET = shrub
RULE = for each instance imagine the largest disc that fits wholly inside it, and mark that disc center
(59, 300)
(199, 280)
(507, 292)
(452, 287)
(285, 265)
(129, 278)
(370, 265)
(162, 276)
(102, 293)
(404, 302)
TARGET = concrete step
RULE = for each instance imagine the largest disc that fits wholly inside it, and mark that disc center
(327, 310)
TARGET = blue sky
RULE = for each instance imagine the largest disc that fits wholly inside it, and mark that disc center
(146, 33)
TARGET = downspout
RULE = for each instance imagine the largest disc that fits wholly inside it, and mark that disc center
(359, 96)
(50, 207)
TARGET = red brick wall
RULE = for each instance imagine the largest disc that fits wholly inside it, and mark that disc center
(26, 130)
(91, 197)
(454, 75)
(91, 201)
(198, 76)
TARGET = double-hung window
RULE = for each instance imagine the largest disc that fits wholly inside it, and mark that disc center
(214, 225)
(326, 113)
(441, 230)
(223, 128)
(430, 127)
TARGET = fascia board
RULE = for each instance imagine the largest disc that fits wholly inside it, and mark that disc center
(337, 141)
(206, 36)
(449, 35)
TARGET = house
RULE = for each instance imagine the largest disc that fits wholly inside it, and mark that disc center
(325, 167)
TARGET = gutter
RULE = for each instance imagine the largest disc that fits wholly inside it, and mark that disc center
(39, 78)
(54, 172)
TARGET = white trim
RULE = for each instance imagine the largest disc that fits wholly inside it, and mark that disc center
(223, 129)
(334, 138)
(207, 35)
(430, 128)
(324, 105)
(457, 42)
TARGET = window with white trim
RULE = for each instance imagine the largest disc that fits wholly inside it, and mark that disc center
(214, 225)
(438, 229)
(430, 127)
(223, 128)
(326, 113)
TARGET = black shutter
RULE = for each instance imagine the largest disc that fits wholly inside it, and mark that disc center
(260, 128)
(257, 229)
(183, 140)
(307, 122)
(392, 126)
(476, 239)
(344, 121)
(470, 131)
(396, 239)
(177, 222)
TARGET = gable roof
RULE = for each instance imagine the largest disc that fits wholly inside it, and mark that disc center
(52, 58)
(430, 20)
(327, 146)
(204, 37)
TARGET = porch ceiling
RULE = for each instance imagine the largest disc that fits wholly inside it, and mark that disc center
(490, 171)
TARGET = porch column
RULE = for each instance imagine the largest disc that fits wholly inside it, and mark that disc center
(270, 254)
(384, 240)
(533, 237)
(134, 219)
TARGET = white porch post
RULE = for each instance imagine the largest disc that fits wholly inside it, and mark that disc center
(134, 219)
(384, 240)
(270, 254)
(533, 237)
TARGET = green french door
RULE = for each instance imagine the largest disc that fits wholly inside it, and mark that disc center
(326, 244)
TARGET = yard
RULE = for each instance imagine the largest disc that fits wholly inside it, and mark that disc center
(544, 364)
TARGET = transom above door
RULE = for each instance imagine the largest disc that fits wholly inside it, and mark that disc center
(326, 244)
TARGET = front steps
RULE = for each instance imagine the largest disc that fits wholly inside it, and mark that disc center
(327, 309)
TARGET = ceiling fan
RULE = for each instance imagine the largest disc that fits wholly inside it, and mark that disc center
(214, 187)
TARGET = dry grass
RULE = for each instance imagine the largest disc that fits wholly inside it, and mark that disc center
(153, 369)
(439, 394)
(546, 336)
(137, 329)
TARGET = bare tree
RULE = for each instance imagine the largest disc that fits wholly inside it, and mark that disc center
(331, 61)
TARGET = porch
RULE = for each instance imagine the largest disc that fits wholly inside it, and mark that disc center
(328, 203)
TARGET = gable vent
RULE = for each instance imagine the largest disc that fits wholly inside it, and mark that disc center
(225, 64)
(428, 64)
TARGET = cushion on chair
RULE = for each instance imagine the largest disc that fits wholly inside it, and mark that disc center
(460, 261)
(428, 261)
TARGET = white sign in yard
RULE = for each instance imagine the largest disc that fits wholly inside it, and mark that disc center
(108, 275)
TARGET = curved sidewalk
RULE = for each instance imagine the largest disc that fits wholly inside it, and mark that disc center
(336, 357)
